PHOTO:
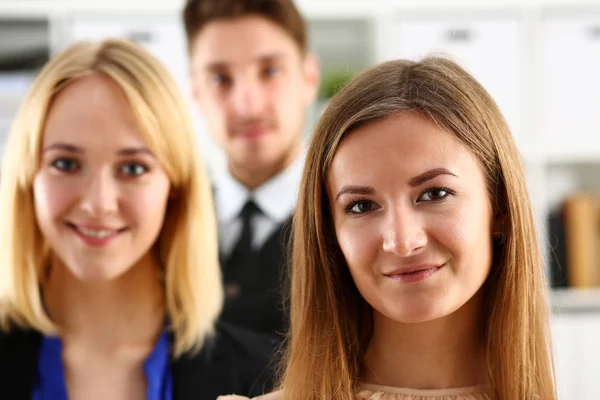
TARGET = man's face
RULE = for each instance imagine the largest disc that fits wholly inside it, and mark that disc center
(252, 84)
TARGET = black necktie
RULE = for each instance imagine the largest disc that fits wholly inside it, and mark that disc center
(242, 252)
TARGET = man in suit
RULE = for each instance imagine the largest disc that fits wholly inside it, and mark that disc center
(253, 78)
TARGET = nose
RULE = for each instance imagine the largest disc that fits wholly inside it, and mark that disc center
(100, 195)
(405, 233)
(248, 98)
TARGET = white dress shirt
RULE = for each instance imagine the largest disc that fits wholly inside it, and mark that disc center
(276, 199)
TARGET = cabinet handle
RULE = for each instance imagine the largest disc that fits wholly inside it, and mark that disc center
(140, 36)
(459, 35)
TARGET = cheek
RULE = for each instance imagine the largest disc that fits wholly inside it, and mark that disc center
(214, 109)
(53, 198)
(467, 236)
(359, 245)
(285, 99)
(146, 205)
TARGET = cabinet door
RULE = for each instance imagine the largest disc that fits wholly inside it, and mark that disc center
(567, 353)
(577, 355)
(570, 118)
(489, 48)
(590, 327)
(164, 38)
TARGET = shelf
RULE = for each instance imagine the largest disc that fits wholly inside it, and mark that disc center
(575, 301)
(311, 8)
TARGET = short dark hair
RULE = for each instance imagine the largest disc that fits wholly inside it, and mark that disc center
(199, 13)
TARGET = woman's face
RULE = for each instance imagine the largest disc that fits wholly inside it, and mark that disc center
(100, 194)
(412, 217)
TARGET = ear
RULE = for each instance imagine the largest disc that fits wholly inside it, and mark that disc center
(312, 77)
(499, 227)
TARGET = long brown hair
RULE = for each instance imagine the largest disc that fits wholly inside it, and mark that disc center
(331, 323)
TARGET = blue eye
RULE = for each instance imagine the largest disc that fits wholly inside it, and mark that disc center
(133, 169)
(220, 79)
(435, 194)
(65, 164)
(271, 71)
(361, 207)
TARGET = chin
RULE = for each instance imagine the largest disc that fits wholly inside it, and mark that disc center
(418, 312)
(96, 274)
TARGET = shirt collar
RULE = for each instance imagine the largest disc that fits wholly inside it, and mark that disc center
(276, 198)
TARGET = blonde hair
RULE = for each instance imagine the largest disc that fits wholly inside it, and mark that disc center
(331, 323)
(187, 244)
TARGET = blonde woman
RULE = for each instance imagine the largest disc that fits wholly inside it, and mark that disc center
(110, 284)
(417, 272)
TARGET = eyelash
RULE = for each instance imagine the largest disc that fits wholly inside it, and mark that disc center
(348, 208)
(54, 164)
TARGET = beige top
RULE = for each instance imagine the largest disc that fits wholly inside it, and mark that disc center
(376, 392)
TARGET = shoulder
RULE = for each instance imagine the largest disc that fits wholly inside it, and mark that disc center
(18, 361)
(278, 395)
(245, 342)
(232, 360)
(253, 353)
(13, 339)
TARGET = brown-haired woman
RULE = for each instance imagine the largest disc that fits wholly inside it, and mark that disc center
(417, 272)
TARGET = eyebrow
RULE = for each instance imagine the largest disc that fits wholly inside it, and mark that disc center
(64, 147)
(223, 65)
(355, 189)
(429, 175)
(416, 181)
(131, 151)
(128, 151)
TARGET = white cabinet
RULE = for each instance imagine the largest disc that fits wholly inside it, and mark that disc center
(163, 38)
(488, 47)
(570, 87)
(577, 355)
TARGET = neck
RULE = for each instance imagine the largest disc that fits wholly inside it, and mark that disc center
(444, 353)
(253, 177)
(127, 310)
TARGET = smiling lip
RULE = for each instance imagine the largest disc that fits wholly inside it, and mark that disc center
(95, 235)
(413, 274)
(252, 132)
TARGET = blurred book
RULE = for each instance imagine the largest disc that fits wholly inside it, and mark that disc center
(557, 245)
(581, 233)
(574, 259)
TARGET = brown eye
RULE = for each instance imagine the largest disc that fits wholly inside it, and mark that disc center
(361, 207)
(434, 194)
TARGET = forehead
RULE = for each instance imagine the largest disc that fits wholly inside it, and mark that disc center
(91, 109)
(241, 40)
(403, 145)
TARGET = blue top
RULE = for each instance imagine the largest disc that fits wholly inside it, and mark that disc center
(50, 384)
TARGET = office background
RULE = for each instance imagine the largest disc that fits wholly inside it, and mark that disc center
(540, 60)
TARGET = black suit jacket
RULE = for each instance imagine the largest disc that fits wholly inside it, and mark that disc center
(234, 361)
(258, 302)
